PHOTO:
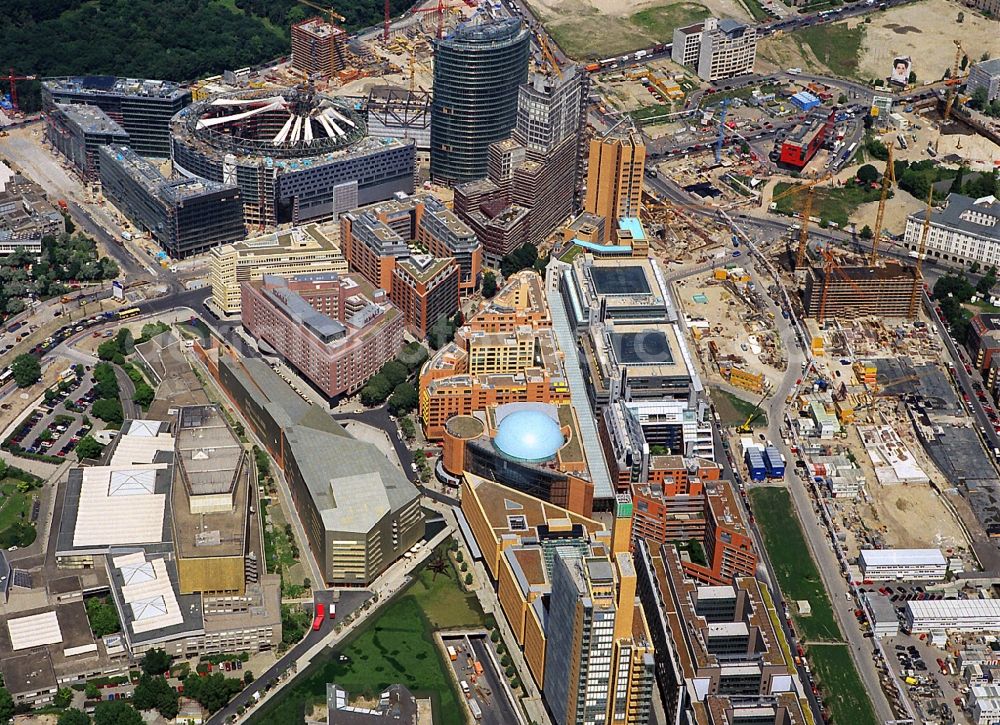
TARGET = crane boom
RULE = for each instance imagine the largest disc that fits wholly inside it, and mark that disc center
(888, 179)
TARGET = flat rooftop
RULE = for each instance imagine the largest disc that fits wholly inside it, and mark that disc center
(310, 238)
(90, 119)
(114, 86)
(621, 279)
(207, 451)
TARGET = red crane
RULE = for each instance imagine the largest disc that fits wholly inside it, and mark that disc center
(439, 9)
(12, 79)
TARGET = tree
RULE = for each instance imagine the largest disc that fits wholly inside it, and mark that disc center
(156, 661)
(109, 410)
(394, 372)
(404, 398)
(124, 341)
(376, 391)
(63, 697)
(986, 283)
(6, 705)
(974, 268)
(913, 77)
(27, 370)
(143, 395)
(868, 174)
(842, 99)
(247, 677)
(73, 716)
(983, 185)
(213, 692)
(103, 617)
(91, 692)
(965, 58)
(489, 285)
(107, 350)
(468, 579)
(88, 448)
(408, 429)
(866, 232)
(156, 693)
(441, 333)
(521, 258)
(116, 712)
(956, 183)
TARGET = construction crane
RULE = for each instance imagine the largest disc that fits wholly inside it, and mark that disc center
(832, 265)
(919, 277)
(747, 426)
(439, 9)
(12, 78)
(953, 82)
(547, 54)
(722, 131)
(888, 179)
(810, 189)
(333, 14)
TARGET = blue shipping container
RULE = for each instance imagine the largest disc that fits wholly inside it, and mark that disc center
(755, 464)
(775, 465)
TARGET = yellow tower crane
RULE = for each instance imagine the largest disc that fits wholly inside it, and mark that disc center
(953, 82)
(806, 212)
(334, 15)
(919, 277)
(888, 179)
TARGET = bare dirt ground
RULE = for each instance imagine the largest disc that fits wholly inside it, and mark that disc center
(904, 516)
(601, 28)
(925, 31)
(897, 209)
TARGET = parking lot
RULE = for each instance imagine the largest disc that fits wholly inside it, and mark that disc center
(474, 665)
(58, 424)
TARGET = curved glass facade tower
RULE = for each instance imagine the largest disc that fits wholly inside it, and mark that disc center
(477, 72)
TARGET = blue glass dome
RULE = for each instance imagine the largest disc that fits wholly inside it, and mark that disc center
(528, 435)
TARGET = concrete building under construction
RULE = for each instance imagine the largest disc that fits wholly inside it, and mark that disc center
(318, 48)
(890, 290)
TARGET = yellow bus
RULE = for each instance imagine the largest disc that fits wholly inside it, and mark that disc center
(130, 312)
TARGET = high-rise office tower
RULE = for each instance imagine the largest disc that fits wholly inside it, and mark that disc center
(614, 178)
(477, 72)
(599, 660)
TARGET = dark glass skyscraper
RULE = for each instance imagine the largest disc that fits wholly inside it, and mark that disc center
(477, 72)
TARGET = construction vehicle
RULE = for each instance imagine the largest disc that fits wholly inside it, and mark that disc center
(888, 179)
(547, 54)
(747, 426)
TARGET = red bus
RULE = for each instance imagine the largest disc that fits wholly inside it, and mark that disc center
(318, 621)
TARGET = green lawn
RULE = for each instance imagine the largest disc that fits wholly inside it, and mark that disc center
(843, 692)
(14, 505)
(838, 47)
(396, 646)
(797, 574)
(834, 204)
(574, 251)
(661, 21)
(734, 411)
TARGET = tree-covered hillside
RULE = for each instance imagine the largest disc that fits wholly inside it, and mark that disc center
(170, 39)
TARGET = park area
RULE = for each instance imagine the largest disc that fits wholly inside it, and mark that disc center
(865, 50)
(396, 646)
(594, 29)
(799, 580)
(830, 203)
(18, 506)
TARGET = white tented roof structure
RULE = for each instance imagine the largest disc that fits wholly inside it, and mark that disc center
(34, 631)
(147, 592)
(118, 507)
(140, 441)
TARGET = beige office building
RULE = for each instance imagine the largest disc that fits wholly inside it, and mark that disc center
(311, 249)
(614, 178)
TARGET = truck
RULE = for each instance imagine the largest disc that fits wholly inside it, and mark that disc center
(333, 611)
(465, 689)
(478, 667)
(318, 620)
(476, 711)
(452, 654)
(127, 236)
(15, 327)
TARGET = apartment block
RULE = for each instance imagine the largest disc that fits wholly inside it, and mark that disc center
(318, 48)
(78, 131)
(706, 511)
(716, 649)
(186, 217)
(963, 231)
(336, 330)
(375, 237)
(425, 289)
(616, 165)
(986, 74)
(26, 216)
(716, 48)
(310, 249)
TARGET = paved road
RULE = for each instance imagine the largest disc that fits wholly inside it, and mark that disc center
(126, 390)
